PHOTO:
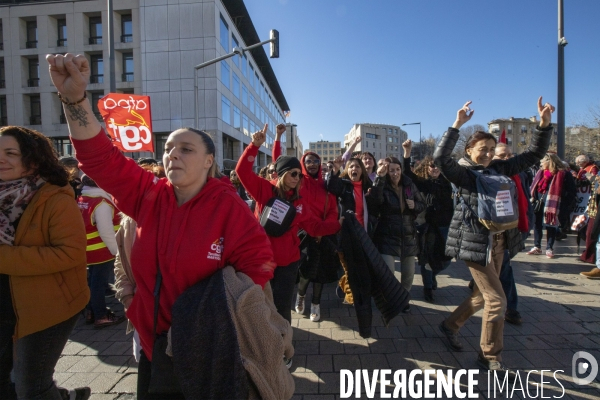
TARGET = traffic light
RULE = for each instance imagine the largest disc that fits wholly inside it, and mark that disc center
(274, 44)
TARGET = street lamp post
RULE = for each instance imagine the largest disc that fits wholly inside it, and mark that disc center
(560, 101)
(420, 142)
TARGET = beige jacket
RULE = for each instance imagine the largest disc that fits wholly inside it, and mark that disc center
(124, 280)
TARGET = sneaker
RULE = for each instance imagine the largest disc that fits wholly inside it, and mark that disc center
(451, 337)
(535, 251)
(428, 293)
(315, 312)
(593, 274)
(513, 317)
(108, 320)
(82, 393)
(287, 362)
(299, 304)
(496, 366)
(550, 253)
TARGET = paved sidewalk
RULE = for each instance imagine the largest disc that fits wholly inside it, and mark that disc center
(560, 313)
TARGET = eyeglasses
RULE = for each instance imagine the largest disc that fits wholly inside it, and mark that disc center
(271, 171)
(295, 174)
(311, 162)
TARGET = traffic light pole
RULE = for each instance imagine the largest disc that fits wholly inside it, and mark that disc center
(274, 40)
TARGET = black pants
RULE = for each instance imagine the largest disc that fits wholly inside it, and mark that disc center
(317, 289)
(282, 284)
(144, 370)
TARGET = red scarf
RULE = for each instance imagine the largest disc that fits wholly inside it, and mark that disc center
(523, 204)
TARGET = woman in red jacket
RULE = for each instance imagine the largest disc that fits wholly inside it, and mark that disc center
(286, 247)
(188, 225)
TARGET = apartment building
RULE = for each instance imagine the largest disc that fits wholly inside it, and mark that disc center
(327, 150)
(518, 132)
(379, 139)
(157, 45)
(294, 144)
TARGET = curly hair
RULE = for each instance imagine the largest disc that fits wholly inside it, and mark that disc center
(422, 170)
(38, 154)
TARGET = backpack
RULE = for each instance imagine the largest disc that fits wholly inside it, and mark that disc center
(497, 205)
(277, 216)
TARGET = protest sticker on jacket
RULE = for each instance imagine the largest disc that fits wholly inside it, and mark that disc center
(581, 203)
(128, 121)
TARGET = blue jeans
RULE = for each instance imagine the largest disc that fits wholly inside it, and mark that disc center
(508, 283)
(98, 275)
(36, 356)
(429, 281)
(538, 232)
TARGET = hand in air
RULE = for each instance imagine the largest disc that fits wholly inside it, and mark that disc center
(259, 137)
(70, 74)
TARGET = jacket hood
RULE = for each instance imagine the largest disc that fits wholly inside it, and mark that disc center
(467, 162)
(49, 190)
(319, 177)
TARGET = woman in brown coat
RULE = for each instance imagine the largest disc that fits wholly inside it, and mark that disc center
(43, 285)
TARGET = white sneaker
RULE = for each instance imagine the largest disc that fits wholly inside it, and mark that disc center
(299, 304)
(315, 312)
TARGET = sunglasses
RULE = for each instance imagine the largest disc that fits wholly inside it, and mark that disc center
(311, 162)
(271, 171)
(295, 174)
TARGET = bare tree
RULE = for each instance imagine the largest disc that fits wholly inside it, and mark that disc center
(465, 133)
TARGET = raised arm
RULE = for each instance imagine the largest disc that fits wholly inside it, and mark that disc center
(333, 183)
(406, 168)
(280, 130)
(348, 154)
(260, 189)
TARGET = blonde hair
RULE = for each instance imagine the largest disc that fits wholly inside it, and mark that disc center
(555, 164)
(281, 192)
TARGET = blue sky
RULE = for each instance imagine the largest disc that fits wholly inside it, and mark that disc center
(402, 61)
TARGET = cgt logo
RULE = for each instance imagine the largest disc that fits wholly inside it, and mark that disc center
(581, 367)
(216, 249)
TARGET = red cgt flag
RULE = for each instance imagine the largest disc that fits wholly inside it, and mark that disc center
(128, 121)
(502, 137)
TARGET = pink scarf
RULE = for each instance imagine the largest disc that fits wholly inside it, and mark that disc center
(14, 198)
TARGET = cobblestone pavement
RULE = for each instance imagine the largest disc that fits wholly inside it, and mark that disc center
(560, 314)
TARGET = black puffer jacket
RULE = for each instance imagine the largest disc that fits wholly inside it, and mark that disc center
(437, 194)
(468, 239)
(396, 232)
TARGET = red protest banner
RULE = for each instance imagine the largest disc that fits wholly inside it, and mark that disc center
(128, 121)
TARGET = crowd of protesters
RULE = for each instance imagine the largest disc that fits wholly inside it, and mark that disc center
(242, 243)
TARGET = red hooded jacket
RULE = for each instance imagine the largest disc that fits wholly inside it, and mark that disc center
(189, 242)
(286, 247)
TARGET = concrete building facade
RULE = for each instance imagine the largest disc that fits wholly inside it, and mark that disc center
(379, 139)
(157, 45)
(518, 132)
(294, 146)
(327, 150)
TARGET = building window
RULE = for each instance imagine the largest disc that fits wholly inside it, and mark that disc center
(63, 146)
(245, 127)
(523, 129)
(234, 44)
(262, 92)
(236, 85)
(3, 115)
(251, 76)
(32, 38)
(224, 34)
(1, 37)
(494, 128)
(97, 64)
(509, 129)
(390, 140)
(252, 126)
(35, 110)
(95, 30)
(227, 148)
(95, 98)
(257, 83)
(160, 141)
(225, 74)
(2, 75)
(245, 65)
(371, 136)
(225, 110)
(236, 118)
(127, 67)
(34, 73)
(244, 95)
(252, 104)
(62, 32)
(126, 29)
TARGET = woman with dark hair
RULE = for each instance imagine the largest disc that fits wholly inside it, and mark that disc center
(188, 225)
(437, 191)
(286, 246)
(72, 166)
(469, 240)
(370, 164)
(554, 193)
(397, 202)
(43, 285)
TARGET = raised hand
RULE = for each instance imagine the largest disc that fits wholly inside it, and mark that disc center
(279, 131)
(259, 137)
(382, 171)
(463, 115)
(545, 113)
(407, 146)
(410, 204)
(337, 164)
(358, 140)
(70, 74)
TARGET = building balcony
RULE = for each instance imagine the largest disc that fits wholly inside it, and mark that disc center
(35, 120)
(126, 38)
(97, 78)
(33, 82)
(127, 77)
(95, 40)
(31, 44)
(61, 43)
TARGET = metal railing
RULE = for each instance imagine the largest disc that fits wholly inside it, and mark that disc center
(96, 78)
(61, 43)
(95, 40)
(127, 77)
(35, 120)
(33, 82)
(31, 44)
(127, 38)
